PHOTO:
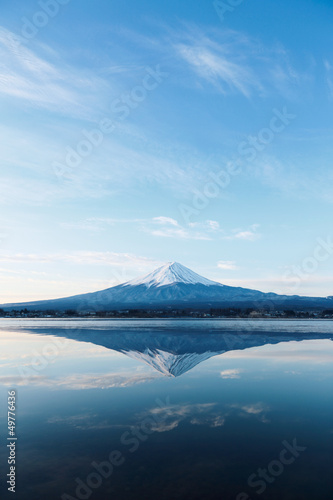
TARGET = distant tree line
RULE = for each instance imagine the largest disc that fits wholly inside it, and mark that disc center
(173, 313)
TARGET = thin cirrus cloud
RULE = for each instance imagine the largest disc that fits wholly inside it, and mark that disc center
(232, 373)
(218, 56)
(112, 167)
(227, 60)
(288, 179)
(81, 381)
(82, 257)
(46, 81)
(160, 226)
(203, 414)
(168, 227)
(227, 265)
(329, 78)
(32, 78)
(250, 234)
(217, 69)
(233, 62)
(196, 414)
(246, 235)
(255, 410)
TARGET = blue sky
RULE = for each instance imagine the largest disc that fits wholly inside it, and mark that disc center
(137, 133)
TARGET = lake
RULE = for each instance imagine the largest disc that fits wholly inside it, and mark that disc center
(168, 409)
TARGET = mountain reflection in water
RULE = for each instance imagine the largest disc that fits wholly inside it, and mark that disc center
(175, 352)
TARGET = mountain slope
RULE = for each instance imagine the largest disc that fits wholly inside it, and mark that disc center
(172, 285)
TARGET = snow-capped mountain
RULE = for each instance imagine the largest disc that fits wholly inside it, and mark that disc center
(170, 274)
(172, 286)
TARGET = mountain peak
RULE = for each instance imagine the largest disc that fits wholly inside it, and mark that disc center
(171, 273)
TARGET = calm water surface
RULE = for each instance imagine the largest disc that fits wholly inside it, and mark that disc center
(169, 409)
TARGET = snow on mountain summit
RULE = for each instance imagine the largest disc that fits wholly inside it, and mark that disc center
(170, 273)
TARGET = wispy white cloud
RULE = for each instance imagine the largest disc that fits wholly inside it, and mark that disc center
(281, 73)
(205, 230)
(170, 228)
(234, 62)
(246, 235)
(183, 410)
(203, 414)
(230, 61)
(81, 381)
(32, 276)
(228, 265)
(196, 414)
(211, 420)
(211, 225)
(232, 373)
(294, 181)
(258, 410)
(217, 68)
(103, 381)
(329, 78)
(113, 168)
(166, 220)
(28, 76)
(82, 421)
(161, 226)
(250, 234)
(82, 257)
(254, 409)
(85, 421)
